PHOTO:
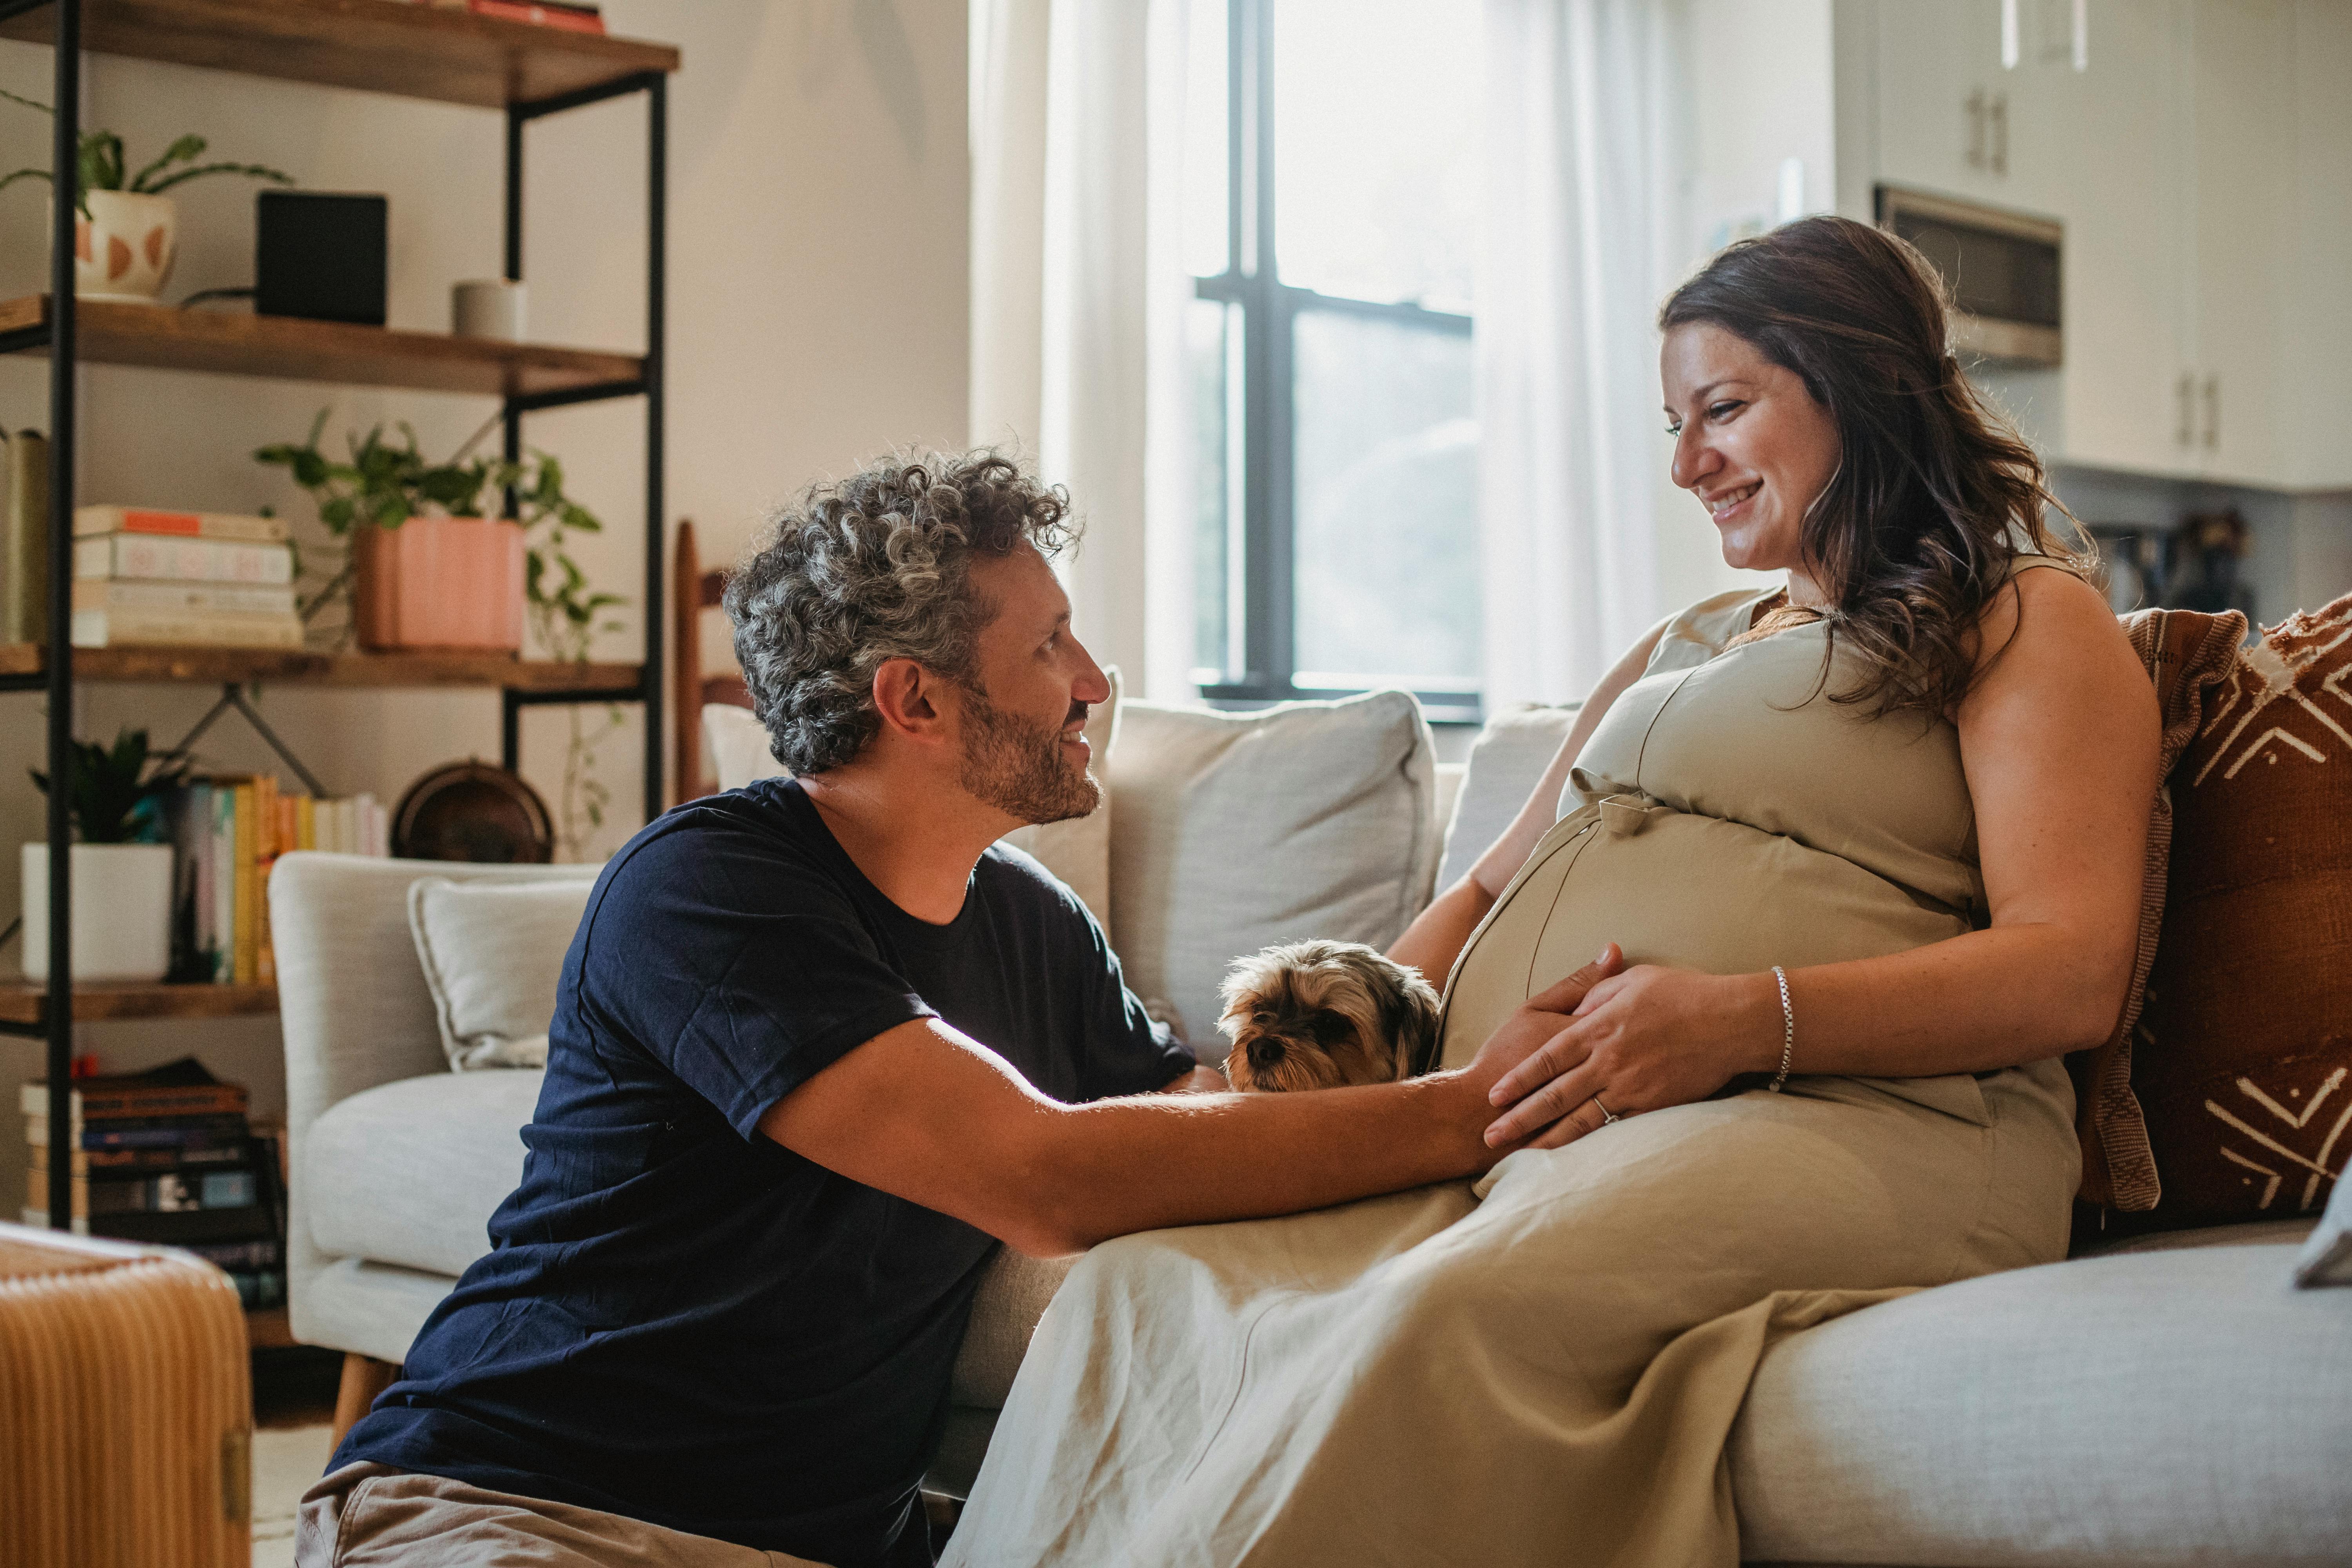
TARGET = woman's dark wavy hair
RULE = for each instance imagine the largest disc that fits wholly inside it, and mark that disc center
(1935, 491)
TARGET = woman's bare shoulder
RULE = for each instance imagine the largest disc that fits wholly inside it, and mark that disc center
(2049, 625)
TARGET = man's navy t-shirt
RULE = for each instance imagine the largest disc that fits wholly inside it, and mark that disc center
(682, 1320)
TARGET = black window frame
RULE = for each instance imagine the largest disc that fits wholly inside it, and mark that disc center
(1269, 310)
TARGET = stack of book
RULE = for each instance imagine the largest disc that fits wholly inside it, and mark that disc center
(166, 1156)
(212, 579)
(226, 833)
(24, 537)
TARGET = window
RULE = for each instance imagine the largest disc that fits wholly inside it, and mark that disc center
(1330, 221)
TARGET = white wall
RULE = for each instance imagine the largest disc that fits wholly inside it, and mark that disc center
(1760, 96)
(818, 313)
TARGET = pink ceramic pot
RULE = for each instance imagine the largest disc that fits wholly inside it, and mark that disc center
(439, 581)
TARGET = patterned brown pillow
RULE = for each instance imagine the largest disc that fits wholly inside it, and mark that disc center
(2244, 1057)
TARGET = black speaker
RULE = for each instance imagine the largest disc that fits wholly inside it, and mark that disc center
(320, 255)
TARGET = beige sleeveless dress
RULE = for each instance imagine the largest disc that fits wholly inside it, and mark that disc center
(1543, 1368)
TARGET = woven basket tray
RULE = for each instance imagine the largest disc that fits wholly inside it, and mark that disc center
(126, 1407)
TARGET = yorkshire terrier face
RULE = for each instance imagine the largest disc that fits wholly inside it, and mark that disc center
(1318, 1015)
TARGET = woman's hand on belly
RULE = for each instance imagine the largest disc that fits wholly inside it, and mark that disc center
(1644, 1040)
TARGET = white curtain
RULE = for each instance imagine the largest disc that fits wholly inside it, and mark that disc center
(1077, 299)
(1585, 170)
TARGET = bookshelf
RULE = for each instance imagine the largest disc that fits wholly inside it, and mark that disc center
(390, 46)
(27, 1005)
(27, 663)
(378, 46)
(287, 348)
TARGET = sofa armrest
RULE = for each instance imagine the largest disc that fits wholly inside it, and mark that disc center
(351, 1000)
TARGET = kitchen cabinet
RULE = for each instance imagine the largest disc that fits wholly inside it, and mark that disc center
(2200, 248)
(2125, 208)
(2242, 116)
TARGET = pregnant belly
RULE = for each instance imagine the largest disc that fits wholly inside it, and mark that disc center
(1694, 892)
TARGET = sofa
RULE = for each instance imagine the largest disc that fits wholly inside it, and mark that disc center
(2170, 1399)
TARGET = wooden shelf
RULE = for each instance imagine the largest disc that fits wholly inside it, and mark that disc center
(378, 46)
(22, 1001)
(224, 665)
(233, 343)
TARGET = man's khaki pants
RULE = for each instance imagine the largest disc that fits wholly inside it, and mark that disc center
(364, 1515)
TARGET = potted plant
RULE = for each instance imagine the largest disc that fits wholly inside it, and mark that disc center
(428, 567)
(128, 234)
(121, 884)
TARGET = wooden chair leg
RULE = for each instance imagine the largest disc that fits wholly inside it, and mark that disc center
(364, 1377)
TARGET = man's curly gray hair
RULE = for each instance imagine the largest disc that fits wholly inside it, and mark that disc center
(876, 567)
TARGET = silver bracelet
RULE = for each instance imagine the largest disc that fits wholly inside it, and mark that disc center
(1788, 1030)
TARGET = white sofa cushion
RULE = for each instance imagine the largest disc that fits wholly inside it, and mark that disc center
(1509, 755)
(1230, 831)
(408, 1173)
(493, 953)
(738, 744)
(2152, 1408)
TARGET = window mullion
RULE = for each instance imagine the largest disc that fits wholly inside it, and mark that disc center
(1268, 634)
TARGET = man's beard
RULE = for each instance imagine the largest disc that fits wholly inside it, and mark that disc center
(1020, 768)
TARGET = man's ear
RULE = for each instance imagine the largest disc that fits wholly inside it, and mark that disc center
(906, 697)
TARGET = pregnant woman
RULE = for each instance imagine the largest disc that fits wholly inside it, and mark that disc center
(1871, 843)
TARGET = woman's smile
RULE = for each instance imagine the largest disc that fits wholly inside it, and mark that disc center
(1730, 505)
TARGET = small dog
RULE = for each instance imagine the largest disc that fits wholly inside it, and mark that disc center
(1318, 1015)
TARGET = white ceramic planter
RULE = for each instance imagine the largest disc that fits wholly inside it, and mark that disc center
(124, 249)
(121, 912)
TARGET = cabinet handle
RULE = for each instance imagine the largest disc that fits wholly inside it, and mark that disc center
(2212, 412)
(1999, 117)
(2186, 431)
(1976, 107)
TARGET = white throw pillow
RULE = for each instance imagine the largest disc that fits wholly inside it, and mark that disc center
(1509, 755)
(739, 743)
(1077, 851)
(1233, 830)
(492, 954)
(2326, 1258)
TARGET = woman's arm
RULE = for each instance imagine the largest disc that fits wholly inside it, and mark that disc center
(1435, 940)
(2058, 738)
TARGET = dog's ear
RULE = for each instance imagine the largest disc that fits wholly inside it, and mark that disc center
(1409, 1019)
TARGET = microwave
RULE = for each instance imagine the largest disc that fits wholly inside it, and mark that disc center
(2002, 267)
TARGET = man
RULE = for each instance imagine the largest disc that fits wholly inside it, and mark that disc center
(819, 1047)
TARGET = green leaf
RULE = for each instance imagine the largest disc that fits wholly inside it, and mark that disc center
(8, 180)
(252, 171)
(27, 102)
(184, 151)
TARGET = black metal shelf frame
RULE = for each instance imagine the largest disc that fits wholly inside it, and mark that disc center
(57, 679)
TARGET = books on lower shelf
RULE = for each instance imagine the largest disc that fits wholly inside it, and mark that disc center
(226, 834)
(147, 577)
(168, 1157)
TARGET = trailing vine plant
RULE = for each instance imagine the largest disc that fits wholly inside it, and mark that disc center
(383, 483)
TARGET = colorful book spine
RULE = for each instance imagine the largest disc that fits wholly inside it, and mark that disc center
(221, 850)
(90, 520)
(247, 824)
(179, 559)
(116, 595)
(146, 627)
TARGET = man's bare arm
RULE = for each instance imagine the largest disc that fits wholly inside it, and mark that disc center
(928, 1115)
